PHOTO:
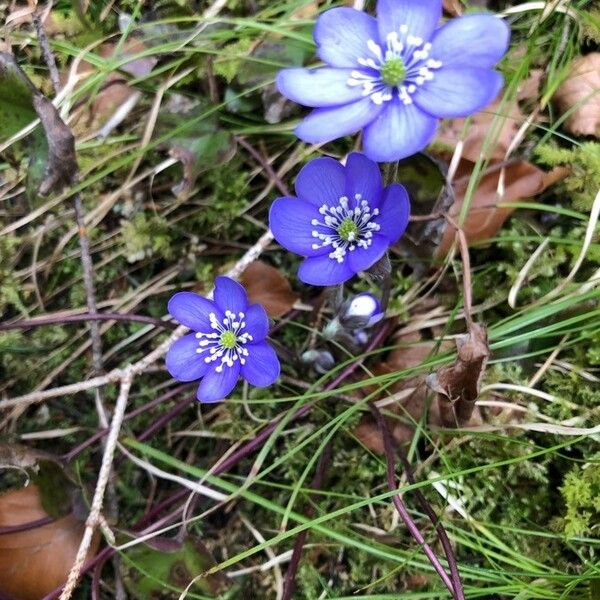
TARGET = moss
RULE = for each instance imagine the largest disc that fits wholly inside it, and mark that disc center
(581, 185)
(581, 494)
(147, 235)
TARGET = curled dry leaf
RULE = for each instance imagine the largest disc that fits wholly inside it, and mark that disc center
(453, 8)
(33, 562)
(458, 385)
(580, 93)
(52, 164)
(267, 286)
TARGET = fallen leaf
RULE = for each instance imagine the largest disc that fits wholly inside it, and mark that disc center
(508, 119)
(522, 180)
(580, 93)
(33, 562)
(52, 162)
(458, 385)
(453, 7)
(164, 564)
(266, 285)
(61, 163)
(115, 98)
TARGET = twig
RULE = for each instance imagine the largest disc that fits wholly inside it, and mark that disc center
(427, 509)
(103, 478)
(464, 253)
(84, 242)
(47, 53)
(401, 508)
(317, 483)
(106, 316)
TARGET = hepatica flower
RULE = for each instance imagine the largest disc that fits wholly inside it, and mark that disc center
(396, 75)
(343, 219)
(228, 340)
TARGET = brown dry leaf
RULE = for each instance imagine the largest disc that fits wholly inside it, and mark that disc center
(36, 561)
(581, 92)
(451, 132)
(458, 385)
(267, 286)
(115, 92)
(522, 180)
(453, 7)
(61, 168)
(411, 353)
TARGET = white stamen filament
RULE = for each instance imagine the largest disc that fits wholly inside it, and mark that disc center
(414, 53)
(211, 346)
(333, 216)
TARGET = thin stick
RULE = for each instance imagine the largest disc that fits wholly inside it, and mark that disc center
(47, 53)
(427, 509)
(105, 316)
(103, 478)
(401, 508)
(464, 253)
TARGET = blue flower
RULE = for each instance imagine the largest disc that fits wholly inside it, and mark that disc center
(396, 75)
(343, 219)
(363, 310)
(229, 341)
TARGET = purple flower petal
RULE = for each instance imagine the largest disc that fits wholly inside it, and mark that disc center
(230, 295)
(318, 87)
(363, 177)
(471, 41)
(216, 386)
(290, 221)
(193, 310)
(361, 259)
(326, 124)
(262, 365)
(321, 181)
(395, 211)
(322, 270)
(342, 34)
(458, 92)
(420, 17)
(257, 322)
(182, 360)
(399, 131)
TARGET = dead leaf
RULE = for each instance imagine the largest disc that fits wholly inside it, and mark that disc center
(267, 286)
(581, 92)
(115, 95)
(453, 7)
(61, 166)
(458, 385)
(507, 123)
(33, 562)
(522, 180)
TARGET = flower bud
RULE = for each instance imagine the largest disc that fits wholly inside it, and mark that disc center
(364, 310)
(320, 360)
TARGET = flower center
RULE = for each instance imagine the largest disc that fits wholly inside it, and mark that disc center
(393, 71)
(343, 228)
(228, 340)
(395, 68)
(348, 230)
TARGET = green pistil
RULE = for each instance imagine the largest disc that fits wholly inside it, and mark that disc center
(348, 230)
(228, 340)
(393, 71)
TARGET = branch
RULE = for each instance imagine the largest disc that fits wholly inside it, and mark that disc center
(103, 478)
